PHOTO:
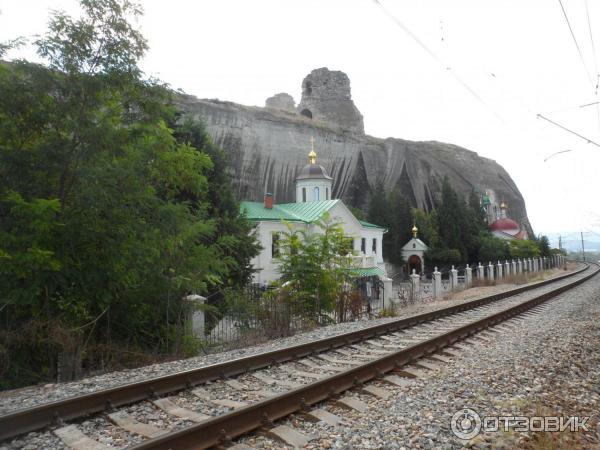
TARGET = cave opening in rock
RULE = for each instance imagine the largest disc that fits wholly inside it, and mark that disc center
(306, 113)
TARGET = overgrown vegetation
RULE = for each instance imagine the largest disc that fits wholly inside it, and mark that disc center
(110, 211)
(455, 231)
(314, 267)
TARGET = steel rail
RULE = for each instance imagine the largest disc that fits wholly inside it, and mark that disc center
(221, 429)
(38, 417)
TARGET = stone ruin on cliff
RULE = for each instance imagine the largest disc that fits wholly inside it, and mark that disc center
(326, 98)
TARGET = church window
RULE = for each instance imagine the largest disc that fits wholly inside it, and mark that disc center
(316, 195)
(363, 245)
(414, 246)
(274, 245)
(326, 193)
(374, 246)
(303, 194)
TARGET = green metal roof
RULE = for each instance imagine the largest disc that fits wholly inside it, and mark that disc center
(306, 212)
(367, 272)
(292, 212)
(370, 225)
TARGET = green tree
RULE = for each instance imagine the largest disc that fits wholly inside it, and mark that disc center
(392, 211)
(107, 216)
(315, 266)
(523, 249)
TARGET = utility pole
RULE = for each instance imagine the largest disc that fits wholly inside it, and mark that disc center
(582, 247)
(559, 242)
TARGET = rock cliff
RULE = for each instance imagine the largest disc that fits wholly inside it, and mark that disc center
(268, 146)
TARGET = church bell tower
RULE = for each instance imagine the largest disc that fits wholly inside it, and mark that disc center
(313, 184)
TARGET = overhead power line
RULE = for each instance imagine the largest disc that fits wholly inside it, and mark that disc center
(438, 59)
(576, 44)
(589, 141)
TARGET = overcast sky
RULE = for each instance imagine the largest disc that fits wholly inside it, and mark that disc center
(469, 72)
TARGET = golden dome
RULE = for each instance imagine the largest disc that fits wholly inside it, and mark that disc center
(414, 231)
(502, 205)
(312, 157)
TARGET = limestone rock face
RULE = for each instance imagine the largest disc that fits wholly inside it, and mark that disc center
(281, 101)
(326, 97)
(268, 146)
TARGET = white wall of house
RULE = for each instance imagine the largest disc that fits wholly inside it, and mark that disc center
(266, 265)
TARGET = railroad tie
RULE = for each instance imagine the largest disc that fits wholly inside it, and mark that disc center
(288, 436)
(324, 416)
(411, 372)
(352, 403)
(369, 350)
(426, 365)
(240, 447)
(397, 381)
(378, 392)
(440, 358)
(301, 373)
(74, 438)
(269, 380)
(311, 365)
(337, 361)
(350, 354)
(229, 403)
(450, 352)
(170, 407)
(129, 423)
(234, 384)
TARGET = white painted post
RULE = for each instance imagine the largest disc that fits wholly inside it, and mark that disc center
(519, 266)
(454, 278)
(196, 314)
(468, 277)
(387, 292)
(490, 271)
(415, 281)
(480, 272)
(506, 268)
(437, 283)
(499, 269)
(514, 266)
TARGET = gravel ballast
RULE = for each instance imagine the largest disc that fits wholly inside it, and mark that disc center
(542, 364)
(36, 395)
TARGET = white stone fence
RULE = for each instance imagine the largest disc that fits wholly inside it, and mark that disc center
(437, 284)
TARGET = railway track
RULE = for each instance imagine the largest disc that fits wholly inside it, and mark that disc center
(213, 405)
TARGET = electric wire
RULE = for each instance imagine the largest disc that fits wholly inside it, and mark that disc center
(437, 59)
(576, 43)
(589, 141)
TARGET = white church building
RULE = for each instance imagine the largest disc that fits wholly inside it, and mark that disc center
(314, 198)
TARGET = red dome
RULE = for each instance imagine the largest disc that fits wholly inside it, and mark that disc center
(504, 225)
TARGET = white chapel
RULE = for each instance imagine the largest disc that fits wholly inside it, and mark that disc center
(314, 197)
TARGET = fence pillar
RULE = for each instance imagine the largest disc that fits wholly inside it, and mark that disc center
(513, 269)
(519, 266)
(490, 271)
(506, 268)
(468, 277)
(415, 282)
(437, 283)
(387, 292)
(480, 272)
(453, 279)
(195, 316)
(499, 269)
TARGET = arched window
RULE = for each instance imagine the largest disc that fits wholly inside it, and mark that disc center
(326, 193)
(306, 113)
(316, 194)
(303, 194)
